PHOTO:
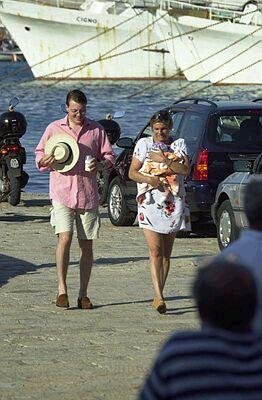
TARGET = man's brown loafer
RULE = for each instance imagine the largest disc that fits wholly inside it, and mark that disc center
(159, 305)
(84, 303)
(62, 300)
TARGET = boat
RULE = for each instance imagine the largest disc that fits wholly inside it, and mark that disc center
(11, 55)
(89, 40)
(218, 44)
(8, 49)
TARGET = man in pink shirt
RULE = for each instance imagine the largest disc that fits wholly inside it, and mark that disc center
(74, 193)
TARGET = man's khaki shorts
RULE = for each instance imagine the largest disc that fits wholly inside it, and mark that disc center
(87, 221)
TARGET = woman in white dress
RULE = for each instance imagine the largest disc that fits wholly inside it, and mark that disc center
(161, 220)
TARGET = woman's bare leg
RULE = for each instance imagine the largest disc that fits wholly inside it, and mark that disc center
(168, 241)
(154, 243)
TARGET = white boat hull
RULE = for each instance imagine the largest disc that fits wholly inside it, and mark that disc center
(226, 53)
(50, 38)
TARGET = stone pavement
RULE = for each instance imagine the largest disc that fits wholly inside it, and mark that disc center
(50, 353)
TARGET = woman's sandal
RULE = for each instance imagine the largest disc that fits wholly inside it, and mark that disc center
(159, 305)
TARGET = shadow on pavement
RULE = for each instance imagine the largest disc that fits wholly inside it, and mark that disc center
(36, 202)
(11, 267)
(146, 301)
(20, 218)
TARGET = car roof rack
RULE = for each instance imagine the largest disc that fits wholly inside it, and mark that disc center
(257, 100)
(196, 100)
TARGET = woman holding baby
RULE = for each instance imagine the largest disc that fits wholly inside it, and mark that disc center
(162, 209)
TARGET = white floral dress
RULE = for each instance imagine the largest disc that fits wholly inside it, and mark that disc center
(171, 215)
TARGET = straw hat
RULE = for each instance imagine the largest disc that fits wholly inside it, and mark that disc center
(65, 150)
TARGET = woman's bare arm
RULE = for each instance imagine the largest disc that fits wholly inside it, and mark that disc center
(137, 176)
(176, 166)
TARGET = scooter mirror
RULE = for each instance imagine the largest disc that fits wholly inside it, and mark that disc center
(13, 102)
(119, 114)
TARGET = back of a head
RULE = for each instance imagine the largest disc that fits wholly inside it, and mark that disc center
(226, 295)
(253, 203)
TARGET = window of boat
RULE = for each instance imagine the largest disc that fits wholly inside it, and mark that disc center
(117, 8)
(243, 128)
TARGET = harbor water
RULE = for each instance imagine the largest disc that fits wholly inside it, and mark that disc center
(42, 102)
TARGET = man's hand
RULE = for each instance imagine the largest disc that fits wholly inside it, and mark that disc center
(105, 164)
(46, 161)
(92, 165)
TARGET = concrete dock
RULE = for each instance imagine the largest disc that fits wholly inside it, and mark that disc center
(51, 353)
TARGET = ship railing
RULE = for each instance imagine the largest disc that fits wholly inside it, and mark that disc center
(215, 11)
(210, 12)
(227, 10)
(74, 5)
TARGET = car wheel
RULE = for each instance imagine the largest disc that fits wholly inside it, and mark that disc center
(227, 230)
(118, 212)
(183, 234)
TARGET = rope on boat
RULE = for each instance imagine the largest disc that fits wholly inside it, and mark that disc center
(106, 30)
(176, 75)
(106, 56)
(227, 62)
(226, 77)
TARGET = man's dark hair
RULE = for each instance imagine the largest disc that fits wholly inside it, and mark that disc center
(226, 295)
(76, 95)
(253, 203)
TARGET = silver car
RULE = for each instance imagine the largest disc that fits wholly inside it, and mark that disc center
(228, 208)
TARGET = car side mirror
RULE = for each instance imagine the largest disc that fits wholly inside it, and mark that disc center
(243, 166)
(125, 143)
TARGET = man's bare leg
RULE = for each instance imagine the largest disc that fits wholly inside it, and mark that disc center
(62, 259)
(85, 263)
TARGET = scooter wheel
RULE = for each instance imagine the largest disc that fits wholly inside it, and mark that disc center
(15, 190)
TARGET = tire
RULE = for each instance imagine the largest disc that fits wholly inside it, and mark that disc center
(227, 230)
(15, 190)
(183, 234)
(118, 212)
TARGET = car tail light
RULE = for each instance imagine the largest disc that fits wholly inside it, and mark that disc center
(200, 172)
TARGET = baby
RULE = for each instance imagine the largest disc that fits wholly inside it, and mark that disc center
(169, 182)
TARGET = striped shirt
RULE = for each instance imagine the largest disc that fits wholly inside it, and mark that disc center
(211, 364)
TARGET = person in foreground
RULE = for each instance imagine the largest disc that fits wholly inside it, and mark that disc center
(160, 219)
(73, 190)
(248, 248)
(223, 360)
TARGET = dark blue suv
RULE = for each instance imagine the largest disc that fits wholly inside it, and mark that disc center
(217, 133)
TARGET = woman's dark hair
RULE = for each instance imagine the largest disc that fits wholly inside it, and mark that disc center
(162, 116)
(226, 295)
(76, 95)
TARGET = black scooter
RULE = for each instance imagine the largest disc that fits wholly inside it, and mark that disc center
(12, 155)
(113, 131)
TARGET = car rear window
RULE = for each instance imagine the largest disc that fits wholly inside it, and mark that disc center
(190, 128)
(242, 129)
